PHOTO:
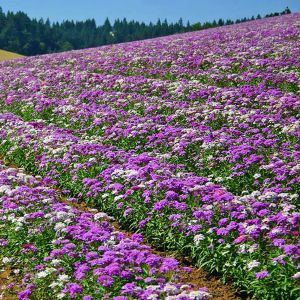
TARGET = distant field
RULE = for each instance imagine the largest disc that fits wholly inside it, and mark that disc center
(5, 55)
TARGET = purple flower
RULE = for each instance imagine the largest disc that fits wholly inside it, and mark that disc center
(144, 222)
(113, 269)
(169, 264)
(39, 267)
(126, 274)
(74, 289)
(222, 231)
(289, 249)
(194, 228)
(105, 280)
(129, 288)
(24, 295)
(171, 195)
(160, 205)
(81, 271)
(29, 248)
(128, 211)
(278, 242)
(262, 274)
(223, 221)
(137, 237)
(3, 242)
(279, 259)
(187, 269)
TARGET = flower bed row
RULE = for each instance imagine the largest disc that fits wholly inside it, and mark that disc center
(61, 252)
(252, 148)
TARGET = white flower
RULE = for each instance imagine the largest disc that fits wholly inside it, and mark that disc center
(296, 275)
(64, 215)
(198, 238)
(153, 287)
(242, 248)
(56, 262)
(198, 295)
(61, 295)
(7, 260)
(251, 228)
(54, 284)
(184, 287)
(170, 288)
(45, 273)
(5, 188)
(47, 200)
(170, 298)
(63, 278)
(253, 264)
(219, 179)
(59, 226)
(255, 193)
(253, 248)
(100, 215)
(41, 274)
(19, 227)
(117, 198)
(152, 297)
(11, 218)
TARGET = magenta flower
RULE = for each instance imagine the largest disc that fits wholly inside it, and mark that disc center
(240, 239)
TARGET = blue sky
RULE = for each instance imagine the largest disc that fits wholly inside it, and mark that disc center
(147, 10)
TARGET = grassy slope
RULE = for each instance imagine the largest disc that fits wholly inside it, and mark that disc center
(5, 55)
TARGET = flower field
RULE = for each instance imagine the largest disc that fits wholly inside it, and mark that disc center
(191, 140)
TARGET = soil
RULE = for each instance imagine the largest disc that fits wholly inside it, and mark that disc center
(7, 276)
(200, 278)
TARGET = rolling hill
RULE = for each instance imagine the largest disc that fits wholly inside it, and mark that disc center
(6, 55)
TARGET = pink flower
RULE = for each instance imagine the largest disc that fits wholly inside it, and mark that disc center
(240, 239)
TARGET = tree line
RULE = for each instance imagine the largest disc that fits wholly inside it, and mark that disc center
(29, 36)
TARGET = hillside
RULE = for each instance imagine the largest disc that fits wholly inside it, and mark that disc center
(191, 140)
(6, 55)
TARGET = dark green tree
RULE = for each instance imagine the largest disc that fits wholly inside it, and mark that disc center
(21, 34)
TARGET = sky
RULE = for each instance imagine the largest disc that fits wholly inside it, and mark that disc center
(147, 10)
